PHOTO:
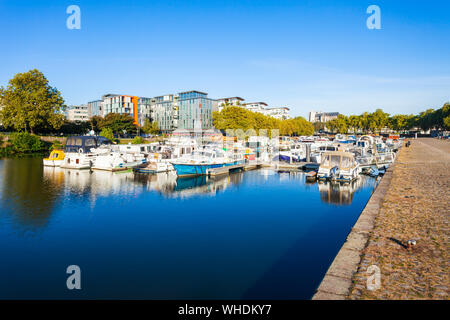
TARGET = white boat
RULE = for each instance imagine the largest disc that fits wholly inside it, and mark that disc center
(116, 161)
(78, 151)
(316, 154)
(55, 159)
(338, 166)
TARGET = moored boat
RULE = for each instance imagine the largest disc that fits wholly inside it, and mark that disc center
(55, 159)
(78, 151)
(202, 160)
(338, 166)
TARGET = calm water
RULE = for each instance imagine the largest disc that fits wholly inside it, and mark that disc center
(253, 235)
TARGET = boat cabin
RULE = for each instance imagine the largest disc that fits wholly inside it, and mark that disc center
(84, 144)
(340, 159)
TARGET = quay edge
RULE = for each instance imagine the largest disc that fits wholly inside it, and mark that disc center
(337, 281)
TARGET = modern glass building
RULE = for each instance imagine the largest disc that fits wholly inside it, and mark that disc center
(95, 108)
(195, 110)
(145, 109)
(165, 112)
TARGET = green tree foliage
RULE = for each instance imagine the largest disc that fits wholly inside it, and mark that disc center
(23, 142)
(118, 123)
(378, 120)
(137, 140)
(155, 128)
(447, 123)
(107, 133)
(233, 117)
(29, 102)
(57, 145)
(95, 123)
(150, 127)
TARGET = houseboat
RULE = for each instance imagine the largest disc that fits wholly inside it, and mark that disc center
(338, 166)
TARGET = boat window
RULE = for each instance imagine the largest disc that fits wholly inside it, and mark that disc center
(326, 161)
(89, 142)
(78, 142)
(346, 162)
(142, 148)
(70, 141)
(55, 155)
(335, 161)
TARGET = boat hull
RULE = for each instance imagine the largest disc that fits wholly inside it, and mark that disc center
(191, 170)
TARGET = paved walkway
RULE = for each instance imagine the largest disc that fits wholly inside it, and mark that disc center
(416, 207)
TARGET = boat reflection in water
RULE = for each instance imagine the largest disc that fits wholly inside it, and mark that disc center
(335, 193)
(105, 183)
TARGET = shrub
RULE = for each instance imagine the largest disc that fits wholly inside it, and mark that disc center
(56, 145)
(23, 142)
(107, 133)
(137, 140)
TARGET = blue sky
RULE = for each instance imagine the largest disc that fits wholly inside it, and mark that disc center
(307, 55)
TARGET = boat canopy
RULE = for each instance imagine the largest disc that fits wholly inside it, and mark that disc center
(84, 144)
(343, 160)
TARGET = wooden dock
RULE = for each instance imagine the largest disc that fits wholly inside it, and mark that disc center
(294, 166)
(237, 167)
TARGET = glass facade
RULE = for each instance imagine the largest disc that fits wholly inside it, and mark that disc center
(95, 108)
(165, 111)
(195, 107)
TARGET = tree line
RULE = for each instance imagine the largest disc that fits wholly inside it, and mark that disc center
(379, 120)
(30, 104)
(233, 117)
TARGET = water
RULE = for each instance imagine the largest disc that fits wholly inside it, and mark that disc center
(253, 235)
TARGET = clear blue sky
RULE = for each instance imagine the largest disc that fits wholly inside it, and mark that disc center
(308, 55)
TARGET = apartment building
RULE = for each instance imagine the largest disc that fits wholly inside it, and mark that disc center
(77, 113)
(315, 116)
(195, 110)
(95, 108)
(137, 107)
(234, 101)
(281, 113)
(165, 112)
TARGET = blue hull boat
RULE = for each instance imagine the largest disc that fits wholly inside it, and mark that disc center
(189, 170)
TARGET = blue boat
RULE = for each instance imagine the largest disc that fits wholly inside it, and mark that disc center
(199, 162)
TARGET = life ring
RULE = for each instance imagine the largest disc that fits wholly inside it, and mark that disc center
(80, 150)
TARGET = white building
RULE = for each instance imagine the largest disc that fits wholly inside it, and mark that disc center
(234, 101)
(77, 113)
(256, 106)
(281, 113)
(315, 116)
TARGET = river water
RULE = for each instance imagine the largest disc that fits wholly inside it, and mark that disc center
(253, 235)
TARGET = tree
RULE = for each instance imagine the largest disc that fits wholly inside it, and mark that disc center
(118, 123)
(155, 128)
(447, 123)
(30, 102)
(107, 133)
(95, 123)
